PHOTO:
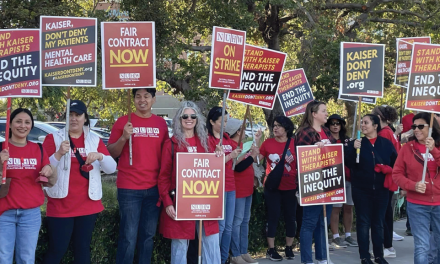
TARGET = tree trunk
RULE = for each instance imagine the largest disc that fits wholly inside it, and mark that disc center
(351, 113)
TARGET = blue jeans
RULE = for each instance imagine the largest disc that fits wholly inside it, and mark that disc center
(313, 227)
(434, 250)
(19, 229)
(210, 249)
(138, 221)
(240, 226)
(421, 218)
(225, 225)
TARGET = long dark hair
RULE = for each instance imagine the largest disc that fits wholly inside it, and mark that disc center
(286, 123)
(435, 127)
(342, 132)
(18, 111)
(375, 120)
(214, 114)
(307, 120)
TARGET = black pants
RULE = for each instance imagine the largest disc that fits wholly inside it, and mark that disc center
(192, 255)
(61, 230)
(370, 206)
(299, 219)
(388, 223)
(274, 200)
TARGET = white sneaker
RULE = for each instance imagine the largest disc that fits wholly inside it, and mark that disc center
(324, 262)
(396, 237)
(331, 247)
(389, 253)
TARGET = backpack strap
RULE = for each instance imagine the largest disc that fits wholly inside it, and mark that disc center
(41, 152)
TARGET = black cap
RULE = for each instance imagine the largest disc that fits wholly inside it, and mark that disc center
(78, 107)
(337, 117)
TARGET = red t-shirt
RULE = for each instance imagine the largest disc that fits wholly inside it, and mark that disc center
(347, 170)
(24, 166)
(148, 137)
(77, 202)
(272, 151)
(324, 138)
(227, 149)
(192, 148)
(244, 181)
(387, 132)
(432, 168)
(372, 140)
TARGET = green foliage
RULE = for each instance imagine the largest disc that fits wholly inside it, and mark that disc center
(105, 234)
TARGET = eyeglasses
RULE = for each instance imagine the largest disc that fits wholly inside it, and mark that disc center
(277, 125)
(420, 127)
(185, 116)
(335, 124)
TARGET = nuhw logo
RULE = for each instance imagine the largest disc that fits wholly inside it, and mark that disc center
(229, 38)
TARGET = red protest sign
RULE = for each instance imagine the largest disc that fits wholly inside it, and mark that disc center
(227, 56)
(424, 79)
(128, 55)
(200, 186)
(321, 174)
(294, 92)
(20, 74)
(68, 51)
(403, 60)
(261, 76)
(362, 69)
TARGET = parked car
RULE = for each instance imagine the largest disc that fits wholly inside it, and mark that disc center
(255, 128)
(60, 125)
(37, 134)
(169, 122)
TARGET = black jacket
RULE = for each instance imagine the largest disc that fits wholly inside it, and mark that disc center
(363, 175)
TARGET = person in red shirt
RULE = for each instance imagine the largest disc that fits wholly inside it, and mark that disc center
(137, 183)
(387, 116)
(214, 126)
(74, 202)
(244, 188)
(189, 135)
(423, 197)
(336, 124)
(22, 195)
(272, 150)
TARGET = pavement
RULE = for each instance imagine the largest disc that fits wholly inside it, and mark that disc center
(350, 255)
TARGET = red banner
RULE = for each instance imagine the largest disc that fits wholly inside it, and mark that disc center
(321, 174)
(20, 74)
(261, 77)
(424, 79)
(403, 60)
(227, 56)
(128, 55)
(200, 186)
(294, 92)
(68, 51)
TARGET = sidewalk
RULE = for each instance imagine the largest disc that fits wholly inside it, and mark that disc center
(350, 255)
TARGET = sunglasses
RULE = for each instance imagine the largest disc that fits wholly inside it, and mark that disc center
(420, 127)
(185, 116)
(335, 123)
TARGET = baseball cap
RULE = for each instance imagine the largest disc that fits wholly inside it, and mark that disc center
(78, 107)
(233, 125)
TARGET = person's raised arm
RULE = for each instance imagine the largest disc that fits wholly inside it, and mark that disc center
(122, 135)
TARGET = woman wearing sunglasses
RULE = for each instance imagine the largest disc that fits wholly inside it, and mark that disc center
(313, 132)
(214, 126)
(423, 198)
(377, 157)
(336, 124)
(189, 135)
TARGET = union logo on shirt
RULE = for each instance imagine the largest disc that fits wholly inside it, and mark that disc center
(146, 132)
(227, 148)
(17, 164)
(192, 149)
(82, 152)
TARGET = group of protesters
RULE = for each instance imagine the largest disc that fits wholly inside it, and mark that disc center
(70, 162)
